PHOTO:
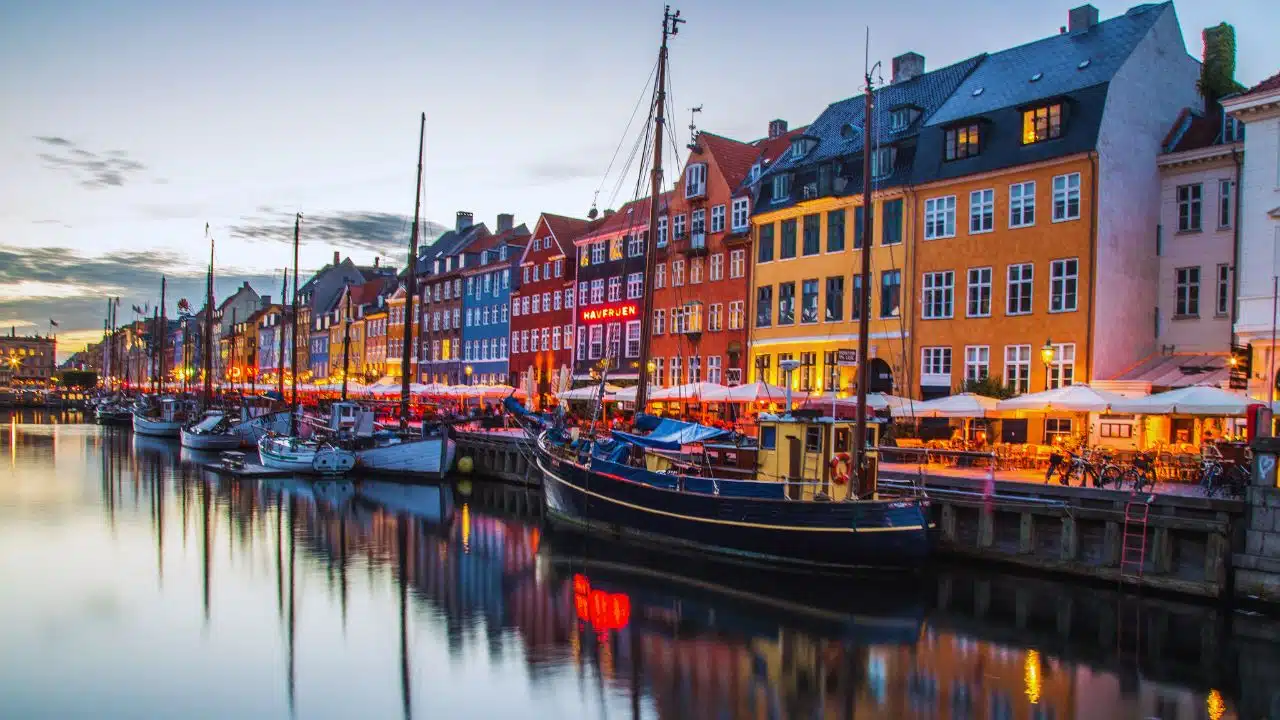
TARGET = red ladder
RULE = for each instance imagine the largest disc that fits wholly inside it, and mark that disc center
(1133, 551)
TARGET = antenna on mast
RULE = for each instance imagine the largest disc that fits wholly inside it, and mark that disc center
(693, 128)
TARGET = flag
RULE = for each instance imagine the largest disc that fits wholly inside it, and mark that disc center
(137, 310)
(53, 322)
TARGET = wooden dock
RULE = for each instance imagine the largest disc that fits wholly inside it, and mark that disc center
(250, 471)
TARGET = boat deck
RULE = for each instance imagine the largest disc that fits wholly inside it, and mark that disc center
(250, 471)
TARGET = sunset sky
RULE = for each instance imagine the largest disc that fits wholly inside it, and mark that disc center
(126, 126)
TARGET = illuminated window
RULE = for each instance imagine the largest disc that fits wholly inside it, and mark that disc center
(615, 248)
(1042, 123)
(962, 142)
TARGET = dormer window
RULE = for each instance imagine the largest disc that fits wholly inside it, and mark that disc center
(801, 147)
(882, 162)
(755, 173)
(695, 180)
(537, 244)
(962, 142)
(1041, 123)
(899, 119)
(781, 187)
(1232, 129)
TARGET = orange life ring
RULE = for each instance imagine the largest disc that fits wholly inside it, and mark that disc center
(839, 476)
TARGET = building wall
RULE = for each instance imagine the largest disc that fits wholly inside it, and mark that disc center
(543, 249)
(375, 343)
(486, 321)
(1209, 249)
(1039, 244)
(591, 316)
(27, 359)
(890, 335)
(1144, 98)
(441, 317)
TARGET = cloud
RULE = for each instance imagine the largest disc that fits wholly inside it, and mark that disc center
(382, 233)
(94, 170)
(556, 170)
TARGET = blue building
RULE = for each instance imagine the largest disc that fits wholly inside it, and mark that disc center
(321, 321)
(486, 314)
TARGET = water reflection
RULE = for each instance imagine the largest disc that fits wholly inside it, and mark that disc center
(376, 599)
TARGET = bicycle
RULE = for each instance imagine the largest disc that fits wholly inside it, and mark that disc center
(1141, 474)
(1090, 466)
(1223, 477)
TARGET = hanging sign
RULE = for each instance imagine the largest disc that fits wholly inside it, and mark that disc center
(846, 358)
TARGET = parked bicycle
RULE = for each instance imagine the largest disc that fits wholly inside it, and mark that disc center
(1141, 474)
(1089, 466)
(1223, 477)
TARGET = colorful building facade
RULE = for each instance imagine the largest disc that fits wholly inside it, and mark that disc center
(486, 315)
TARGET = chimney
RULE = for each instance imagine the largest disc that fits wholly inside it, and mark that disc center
(907, 66)
(266, 301)
(375, 261)
(506, 221)
(337, 257)
(777, 128)
(1081, 19)
(464, 220)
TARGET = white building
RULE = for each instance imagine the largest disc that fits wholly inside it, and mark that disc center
(1259, 264)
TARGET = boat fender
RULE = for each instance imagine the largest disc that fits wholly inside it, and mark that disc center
(840, 464)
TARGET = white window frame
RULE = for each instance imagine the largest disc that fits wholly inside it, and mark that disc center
(597, 291)
(596, 342)
(938, 295)
(740, 214)
(1066, 189)
(940, 217)
(677, 226)
(635, 285)
(615, 289)
(1022, 204)
(714, 317)
(659, 321)
(633, 339)
(737, 314)
(737, 264)
(662, 231)
(781, 187)
(982, 211)
(1062, 369)
(695, 271)
(1190, 201)
(1226, 203)
(935, 366)
(677, 273)
(598, 250)
(1222, 294)
(714, 369)
(717, 267)
(1186, 283)
(1017, 368)
(1025, 277)
(975, 284)
(695, 180)
(659, 276)
(1064, 275)
(977, 362)
(717, 219)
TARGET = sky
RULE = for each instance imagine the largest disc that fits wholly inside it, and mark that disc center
(126, 127)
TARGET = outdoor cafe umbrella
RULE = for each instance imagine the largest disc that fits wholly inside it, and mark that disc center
(588, 392)
(1194, 400)
(964, 405)
(756, 391)
(693, 392)
(1068, 398)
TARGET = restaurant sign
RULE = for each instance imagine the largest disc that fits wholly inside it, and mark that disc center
(624, 311)
(847, 358)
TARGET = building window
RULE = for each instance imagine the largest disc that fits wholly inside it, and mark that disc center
(583, 297)
(781, 187)
(615, 289)
(715, 317)
(982, 211)
(659, 373)
(675, 371)
(713, 369)
(1222, 303)
(741, 213)
(858, 222)
(1189, 207)
(788, 249)
(633, 339)
(1017, 368)
(1062, 370)
(695, 271)
(890, 293)
(677, 227)
(835, 299)
(962, 142)
(855, 292)
(1187, 298)
(812, 228)
(614, 339)
(882, 162)
(737, 263)
(935, 366)
(940, 217)
(695, 180)
(559, 271)
(717, 219)
(1226, 188)
(659, 276)
(1055, 430)
(615, 248)
(698, 221)
(659, 322)
(597, 253)
(939, 293)
(1022, 204)
(635, 285)
(835, 230)
(1020, 281)
(899, 119)
(677, 273)
(1063, 281)
(764, 243)
(662, 231)
(809, 301)
(977, 362)
(597, 342)
(695, 369)
(786, 303)
(555, 338)
(597, 291)
(764, 306)
(717, 267)
(537, 304)
(891, 220)
(635, 246)
(582, 346)
(1042, 123)
(736, 315)
(1066, 197)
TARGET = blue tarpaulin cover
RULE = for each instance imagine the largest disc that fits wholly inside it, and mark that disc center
(670, 434)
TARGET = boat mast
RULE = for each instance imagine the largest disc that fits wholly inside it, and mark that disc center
(346, 339)
(410, 285)
(860, 427)
(208, 328)
(164, 330)
(670, 26)
(293, 326)
(284, 289)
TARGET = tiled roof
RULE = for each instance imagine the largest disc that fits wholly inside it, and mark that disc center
(1270, 84)
(565, 228)
(1192, 131)
(632, 214)
(366, 293)
(734, 158)
(1004, 79)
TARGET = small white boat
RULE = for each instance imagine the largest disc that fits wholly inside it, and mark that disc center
(429, 455)
(252, 429)
(166, 423)
(211, 433)
(280, 452)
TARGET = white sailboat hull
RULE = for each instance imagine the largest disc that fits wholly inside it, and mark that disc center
(209, 441)
(250, 432)
(304, 457)
(431, 457)
(155, 427)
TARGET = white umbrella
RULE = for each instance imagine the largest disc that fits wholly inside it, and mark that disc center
(756, 391)
(692, 392)
(627, 394)
(964, 405)
(1194, 400)
(589, 392)
(1068, 398)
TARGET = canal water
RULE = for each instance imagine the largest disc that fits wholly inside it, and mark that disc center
(134, 585)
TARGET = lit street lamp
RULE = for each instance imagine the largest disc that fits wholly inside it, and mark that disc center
(1046, 354)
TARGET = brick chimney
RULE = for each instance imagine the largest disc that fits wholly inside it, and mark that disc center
(375, 261)
(337, 257)
(506, 221)
(777, 128)
(907, 66)
(464, 220)
(1081, 19)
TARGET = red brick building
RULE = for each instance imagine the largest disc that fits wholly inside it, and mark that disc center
(702, 276)
(542, 303)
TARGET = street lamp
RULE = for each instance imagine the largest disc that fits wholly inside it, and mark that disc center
(469, 370)
(1046, 355)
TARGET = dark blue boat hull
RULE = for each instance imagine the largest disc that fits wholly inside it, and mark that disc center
(772, 531)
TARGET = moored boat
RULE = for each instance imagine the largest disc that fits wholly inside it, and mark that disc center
(426, 454)
(164, 421)
(212, 432)
(280, 452)
(111, 413)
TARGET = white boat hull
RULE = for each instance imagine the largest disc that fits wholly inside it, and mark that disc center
(209, 441)
(155, 427)
(251, 431)
(304, 457)
(432, 457)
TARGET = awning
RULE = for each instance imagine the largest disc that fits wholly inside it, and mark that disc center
(1068, 398)
(1199, 400)
(671, 434)
(1165, 372)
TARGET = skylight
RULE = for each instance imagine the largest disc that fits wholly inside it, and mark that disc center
(1037, 76)
(977, 91)
(1083, 64)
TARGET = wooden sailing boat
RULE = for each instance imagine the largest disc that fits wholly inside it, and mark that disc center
(698, 489)
(166, 418)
